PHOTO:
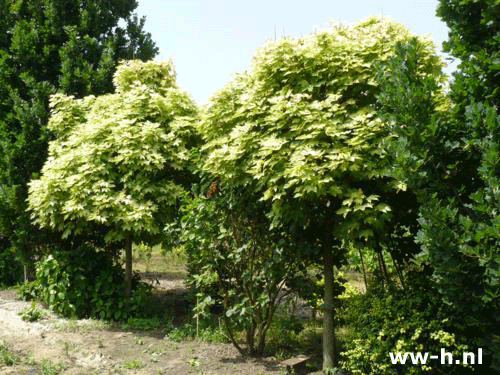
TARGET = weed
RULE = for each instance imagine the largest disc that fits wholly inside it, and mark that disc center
(31, 314)
(154, 356)
(86, 326)
(66, 348)
(193, 362)
(151, 349)
(134, 364)
(7, 357)
(186, 331)
(138, 340)
(281, 354)
(209, 333)
(31, 360)
(174, 346)
(48, 367)
(213, 334)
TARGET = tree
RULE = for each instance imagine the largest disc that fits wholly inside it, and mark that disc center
(448, 153)
(119, 161)
(301, 132)
(473, 39)
(48, 46)
(236, 263)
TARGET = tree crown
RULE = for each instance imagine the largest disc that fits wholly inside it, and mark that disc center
(302, 127)
(119, 159)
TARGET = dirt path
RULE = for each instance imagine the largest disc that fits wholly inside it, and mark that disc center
(59, 346)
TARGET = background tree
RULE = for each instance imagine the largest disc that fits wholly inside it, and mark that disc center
(449, 156)
(48, 46)
(301, 132)
(119, 161)
(473, 38)
(423, 154)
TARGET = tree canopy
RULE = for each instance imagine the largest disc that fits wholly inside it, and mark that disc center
(304, 119)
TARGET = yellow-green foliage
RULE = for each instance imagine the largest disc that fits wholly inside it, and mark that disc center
(411, 320)
(118, 159)
(159, 77)
(304, 118)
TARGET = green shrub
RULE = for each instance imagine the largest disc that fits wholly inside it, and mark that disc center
(85, 283)
(405, 320)
(236, 264)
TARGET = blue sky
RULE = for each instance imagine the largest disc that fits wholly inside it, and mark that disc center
(209, 41)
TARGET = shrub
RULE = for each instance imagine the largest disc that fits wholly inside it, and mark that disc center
(404, 320)
(238, 265)
(85, 282)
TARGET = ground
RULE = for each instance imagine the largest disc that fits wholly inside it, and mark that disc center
(54, 345)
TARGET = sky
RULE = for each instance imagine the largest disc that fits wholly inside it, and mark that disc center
(209, 41)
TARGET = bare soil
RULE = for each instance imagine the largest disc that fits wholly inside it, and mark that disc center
(55, 345)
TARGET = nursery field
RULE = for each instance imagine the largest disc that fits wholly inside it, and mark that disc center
(333, 207)
(163, 344)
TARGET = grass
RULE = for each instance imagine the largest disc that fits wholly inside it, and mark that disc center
(49, 367)
(157, 260)
(134, 364)
(143, 324)
(209, 332)
(10, 287)
(7, 357)
(83, 326)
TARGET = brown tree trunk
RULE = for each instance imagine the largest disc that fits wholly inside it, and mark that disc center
(128, 266)
(329, 339)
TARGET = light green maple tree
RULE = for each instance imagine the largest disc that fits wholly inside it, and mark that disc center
(120, 161)
(301, 130)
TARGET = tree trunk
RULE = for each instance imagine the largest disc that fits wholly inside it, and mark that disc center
(128, 266)
(329, 339)
(383, 268)
(399, 271)
(363, 268)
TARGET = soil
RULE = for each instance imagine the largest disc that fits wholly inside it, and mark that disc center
(92, 347)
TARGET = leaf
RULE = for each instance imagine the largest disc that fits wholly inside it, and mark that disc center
(382, 207)
(343, 211)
